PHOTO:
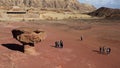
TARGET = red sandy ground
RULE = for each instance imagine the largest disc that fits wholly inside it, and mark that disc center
(75, 54)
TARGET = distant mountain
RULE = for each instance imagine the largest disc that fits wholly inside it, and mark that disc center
(54, 4)
(106, 12)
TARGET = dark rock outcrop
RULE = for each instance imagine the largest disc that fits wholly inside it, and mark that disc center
(106, 12)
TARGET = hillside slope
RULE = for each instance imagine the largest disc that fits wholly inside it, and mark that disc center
(107, 13)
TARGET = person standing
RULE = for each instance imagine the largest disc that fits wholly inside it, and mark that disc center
(61, 43)
(81, 38)
(56, 44)
(102, 50)
(108, 50)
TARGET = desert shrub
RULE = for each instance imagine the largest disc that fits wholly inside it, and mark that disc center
(69, 17)
(56, 18)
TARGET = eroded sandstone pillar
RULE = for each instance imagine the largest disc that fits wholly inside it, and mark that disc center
(30, 50)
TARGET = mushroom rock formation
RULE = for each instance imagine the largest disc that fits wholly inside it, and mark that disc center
(29, 37)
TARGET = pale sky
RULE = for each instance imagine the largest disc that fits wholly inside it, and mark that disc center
(103, 3)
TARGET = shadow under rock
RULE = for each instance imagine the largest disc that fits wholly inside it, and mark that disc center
(15, 47)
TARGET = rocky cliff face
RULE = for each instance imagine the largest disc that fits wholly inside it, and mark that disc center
(60, 4)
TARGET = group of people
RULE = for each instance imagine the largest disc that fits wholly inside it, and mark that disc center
(59, 44)
(104, 50)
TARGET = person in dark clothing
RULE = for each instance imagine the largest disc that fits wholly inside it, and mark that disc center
(102, 50)
(56, 44)
(61, 43)
(108, 50)
(81, 38)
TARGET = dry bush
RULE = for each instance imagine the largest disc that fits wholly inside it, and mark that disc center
(56, 18)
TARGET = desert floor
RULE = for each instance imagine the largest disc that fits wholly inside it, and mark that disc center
(75, 54)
